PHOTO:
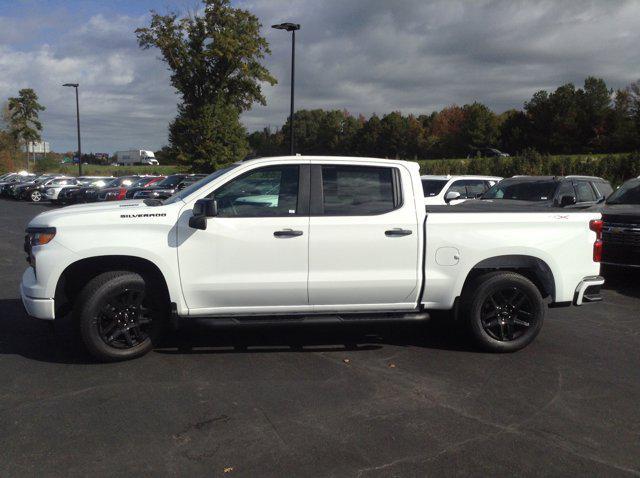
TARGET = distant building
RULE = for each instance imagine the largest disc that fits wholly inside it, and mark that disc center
(38, 147)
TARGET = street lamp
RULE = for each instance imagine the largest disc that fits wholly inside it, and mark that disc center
(75, 85)
(291, 27)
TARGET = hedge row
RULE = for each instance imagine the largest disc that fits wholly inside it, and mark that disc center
(617, 168)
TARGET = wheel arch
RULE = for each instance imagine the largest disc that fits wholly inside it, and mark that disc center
(77, 274)
(533, 268)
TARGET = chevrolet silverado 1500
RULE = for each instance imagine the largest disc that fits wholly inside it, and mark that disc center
(306, 238)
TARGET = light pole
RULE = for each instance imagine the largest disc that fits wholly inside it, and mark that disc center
(75, 85)
(291, 27)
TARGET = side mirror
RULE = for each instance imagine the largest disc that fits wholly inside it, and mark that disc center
(451, 195)
(202, 209)
(567, 200)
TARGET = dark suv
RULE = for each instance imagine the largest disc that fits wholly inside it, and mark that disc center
(551, 191)
(621, 228)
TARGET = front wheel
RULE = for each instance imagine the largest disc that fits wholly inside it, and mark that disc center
(118, 316)
(504, 311)
(35, 196)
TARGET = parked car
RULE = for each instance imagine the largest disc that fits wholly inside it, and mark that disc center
(345, 236)
(118, 193)
(35, 192)
(92, 195)
(12, 178)
(621, 230)
(78, 193)
(52, 192)
(14, 190)
(454, 189)
(143, 183)
(168, 186)
(487, 153)
(552, 191)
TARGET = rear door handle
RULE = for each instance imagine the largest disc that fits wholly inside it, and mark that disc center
(397, 232)
(287, 233)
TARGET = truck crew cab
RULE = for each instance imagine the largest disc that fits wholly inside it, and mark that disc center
(305, 237)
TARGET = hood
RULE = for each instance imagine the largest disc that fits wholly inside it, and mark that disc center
(93, 212)
(622, 213)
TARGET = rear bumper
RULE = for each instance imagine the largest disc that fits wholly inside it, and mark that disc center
(588, 290)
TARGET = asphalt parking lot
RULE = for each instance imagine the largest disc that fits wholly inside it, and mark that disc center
(374, 400)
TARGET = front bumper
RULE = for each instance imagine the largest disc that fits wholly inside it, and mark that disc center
(38, 307)
(588, 290)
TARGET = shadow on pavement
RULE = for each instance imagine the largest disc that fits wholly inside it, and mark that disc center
(625, 281)
(58, 343)
(205, 338)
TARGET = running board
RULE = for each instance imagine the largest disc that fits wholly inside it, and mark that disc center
(315, 319)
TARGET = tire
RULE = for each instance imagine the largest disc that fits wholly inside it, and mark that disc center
(504, 311)
(35, 196)
(111, 324)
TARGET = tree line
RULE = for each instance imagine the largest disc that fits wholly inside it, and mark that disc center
(569, 120)
(216, 64)
(215, 58)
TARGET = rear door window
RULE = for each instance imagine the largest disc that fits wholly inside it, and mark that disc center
(603, 189)
(584, 192)
(358, 190)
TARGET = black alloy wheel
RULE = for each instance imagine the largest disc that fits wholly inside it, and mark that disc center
(507, 313)
(121, 315)
(123, 321)
(504, 310)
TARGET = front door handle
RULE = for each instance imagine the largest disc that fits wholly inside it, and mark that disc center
(398, 232)
(287, 233)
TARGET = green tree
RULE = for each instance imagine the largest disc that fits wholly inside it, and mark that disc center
(215, 63)
(595, 113)
(480, 128)
(24, 122)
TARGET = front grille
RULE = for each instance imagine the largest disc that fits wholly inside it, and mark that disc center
(621, 233)
(621, 243)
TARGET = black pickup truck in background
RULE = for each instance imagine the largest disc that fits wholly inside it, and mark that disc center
(621, 228)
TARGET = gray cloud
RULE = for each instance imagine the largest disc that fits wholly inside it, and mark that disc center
(364, 56)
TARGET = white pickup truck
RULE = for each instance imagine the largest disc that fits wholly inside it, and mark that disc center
(306, 238)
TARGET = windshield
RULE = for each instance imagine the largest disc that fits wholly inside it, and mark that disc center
(170, 181)
(197, 185)
(628, 193)
(432, 187)
(141, 182)
(542, 190)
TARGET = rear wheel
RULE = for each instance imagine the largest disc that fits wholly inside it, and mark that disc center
(119, 317)
(504, 310)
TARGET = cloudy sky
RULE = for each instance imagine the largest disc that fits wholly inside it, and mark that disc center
(362, 55)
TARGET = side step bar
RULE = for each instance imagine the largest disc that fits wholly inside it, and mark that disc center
(314, 319)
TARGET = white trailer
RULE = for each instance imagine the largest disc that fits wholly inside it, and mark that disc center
(136, 156)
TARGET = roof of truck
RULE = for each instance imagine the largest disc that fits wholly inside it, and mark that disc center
(555, 178)
(328, 158)
(459, 176)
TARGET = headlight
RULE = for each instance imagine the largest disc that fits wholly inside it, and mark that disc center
(39, 236)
